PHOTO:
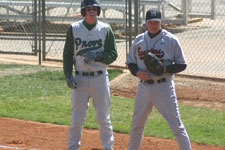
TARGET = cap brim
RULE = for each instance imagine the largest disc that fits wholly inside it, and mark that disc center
(155, 19)
(94, 5)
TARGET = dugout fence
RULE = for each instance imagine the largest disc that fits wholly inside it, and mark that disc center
(38, 27)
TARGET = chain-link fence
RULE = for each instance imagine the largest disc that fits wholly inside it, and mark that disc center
(198, 24)
(203, 38)
(16, 27)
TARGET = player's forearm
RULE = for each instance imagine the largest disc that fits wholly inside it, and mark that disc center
(133, 68)
(67, 66)
(108, 57)
(110, 50)
(176, 68)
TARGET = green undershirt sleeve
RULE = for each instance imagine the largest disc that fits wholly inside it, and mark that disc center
(68, 52)
(110, 50)
(133, 68)
(176, 68)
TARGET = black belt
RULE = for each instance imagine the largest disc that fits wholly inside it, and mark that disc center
(152, 81)
(89, 73)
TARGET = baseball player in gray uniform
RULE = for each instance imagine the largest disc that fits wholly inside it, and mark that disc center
(90, 47)
(156, 90)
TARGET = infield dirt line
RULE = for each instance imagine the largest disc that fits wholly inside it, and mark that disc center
(13, 147)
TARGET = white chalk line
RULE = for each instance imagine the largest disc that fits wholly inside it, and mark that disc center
(13, 147)
(8, 147)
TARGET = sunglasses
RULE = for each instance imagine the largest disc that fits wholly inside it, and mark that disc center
(90, 9)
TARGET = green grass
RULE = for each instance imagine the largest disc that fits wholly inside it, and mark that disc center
(43, 96)
(203, 125)
(13, 65)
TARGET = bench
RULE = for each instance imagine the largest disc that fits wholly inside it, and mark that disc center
(25, 13)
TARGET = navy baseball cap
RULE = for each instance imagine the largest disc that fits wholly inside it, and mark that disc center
(153, 14)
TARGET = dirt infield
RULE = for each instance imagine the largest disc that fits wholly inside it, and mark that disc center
(28, 135)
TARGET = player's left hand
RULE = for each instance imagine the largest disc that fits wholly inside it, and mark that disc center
(91, 56)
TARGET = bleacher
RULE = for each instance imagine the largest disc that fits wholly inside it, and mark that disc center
(22, 9)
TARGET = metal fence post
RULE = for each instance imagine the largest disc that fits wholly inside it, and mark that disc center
(39, 30)
(43, 31)
(126, 12)
(130, 22)
(35, 27)
(185, 11)
(136, 16)
(213, 10)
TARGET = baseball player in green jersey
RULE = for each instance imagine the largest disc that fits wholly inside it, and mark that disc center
(157, 89)
(89, 48)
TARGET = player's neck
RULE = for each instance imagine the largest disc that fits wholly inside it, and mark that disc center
(89, 26)
(152, 35)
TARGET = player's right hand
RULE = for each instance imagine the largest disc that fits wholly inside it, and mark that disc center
(92, 56)
(143, 75)
(71, 83)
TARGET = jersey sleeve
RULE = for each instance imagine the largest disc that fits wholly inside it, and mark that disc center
(109, 54)
(131, 58)
(68, 53)
(133, 68)
(179, 63)
(178, 53)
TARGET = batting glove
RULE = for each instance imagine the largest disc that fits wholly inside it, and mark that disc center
(71, 83)
(91, 56)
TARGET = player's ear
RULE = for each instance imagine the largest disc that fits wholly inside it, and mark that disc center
(162, 21)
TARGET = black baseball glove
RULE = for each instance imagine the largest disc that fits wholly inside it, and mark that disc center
(153, 64)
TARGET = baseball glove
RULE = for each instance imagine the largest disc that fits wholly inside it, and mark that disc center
(153, 64)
